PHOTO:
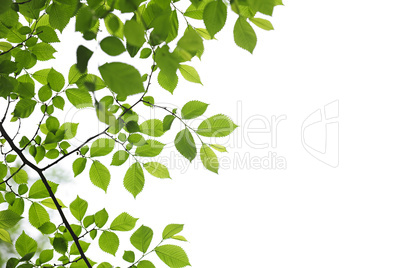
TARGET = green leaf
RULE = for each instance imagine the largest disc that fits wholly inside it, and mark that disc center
(152, 127)
(99, 175)
(74, 249)
(119, 158)
(173, 256)
(244, 35)
(145, 53)
(129, 256)
(190, 74)
(38, 189)
(193, 109)
(84, 19)
(216, 126)
(167, 122)
(52, 154)
(134, 33)
(102, 147)
(52, 124)
(56, 80)
(123, 222)
(47, 34)
(25, 244)
(45, 256)
(9, 218)
(80, 98)
(150, 149)
(43, 51)
(141, 239)
(168, 81)
(218, 147)
(83, 56)
(185, 144)
(101, 218)
(114, 25)
(78, 208)
(209, 159)
(60, 244)
(109, 242)
(189, 44)
(171, 230)
(74, 74)
(215, 14)
(122, 78)
(157, 169)
(69, 130)
(112, 46)
(60, 14)
(262, 23)
(145, 264)
(79, 165)
(5, 236)
(58, 102)
(21, 177)
(180, 238)
(38, 215)
(134, 179)
(50, 204)
(24, 108)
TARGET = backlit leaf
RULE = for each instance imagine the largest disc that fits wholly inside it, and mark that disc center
(99, 175)
(141, 239)
(134, 179)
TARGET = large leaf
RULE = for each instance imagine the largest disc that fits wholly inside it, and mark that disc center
(216, 126)
(102, 147)
(80, 98)
(152, 127)
(38, 215)
(25, 245)
(214, 16)
(43, 51)
(134, 179)
(122, 78)
(99, 175)
(134, 33)
(171, 230)
(193, 109)
(109, 242)
(244, 35)
(123, 222)
(185, 144)
(78, 208)
(38, 189)
(150, 149)
(141, 239)
(24, 108)
(79, 165)
(173, 256)
(112, 46)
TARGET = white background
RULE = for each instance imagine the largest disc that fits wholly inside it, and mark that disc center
(308, 214)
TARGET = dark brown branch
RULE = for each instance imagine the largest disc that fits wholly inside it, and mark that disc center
(48, 188)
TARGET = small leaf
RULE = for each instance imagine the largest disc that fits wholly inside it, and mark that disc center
(173, 256)
(50, 204)
(157, 169)
(79, 165)
(46, 255)
(21, 177)
(141, 239)
(215, 14)
(38, 189)
(145, 264)
(79, 98)
(123, 222)
(209, 159)
(134, 179)
(56, 80)
(38, 215)
(83, 56)
(109, 242)
(185, 144)
(244, 35)
(112, 46)
(24, 108)
(43, 51)
(152, 127)
(9, 218)
(129, 256)
(193, 109)
(171, 230)
(179, 237)
(101, 218)
(134, 33)
(78, 208)
(167, 122)
(119, 158)
(150, 149)
(262, 23)
(190, 74)
(74, 249)
(218, 147)
(99, 175)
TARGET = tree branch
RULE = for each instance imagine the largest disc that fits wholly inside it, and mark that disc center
(48, 188)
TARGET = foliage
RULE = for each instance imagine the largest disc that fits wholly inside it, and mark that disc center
(146, 31)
